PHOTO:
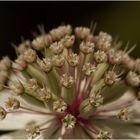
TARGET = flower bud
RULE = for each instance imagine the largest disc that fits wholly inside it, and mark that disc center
(20, 63)
(115, 57)
(23, 47)
(82, 32)
(16, 87)
(29, 55)
(45, 64)
(42, 42)
(57, 47)
(128, 62)
(68, 41)
(103, 41)
(58, 60)
(5, 63)
(87, 47)
(133, 79)
(100, 56)
(137, 65)
(60, 32)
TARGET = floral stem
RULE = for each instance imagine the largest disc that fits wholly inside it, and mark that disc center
(124, 105)
(45, 113)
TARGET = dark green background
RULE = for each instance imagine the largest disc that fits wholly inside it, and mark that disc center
(21, 18)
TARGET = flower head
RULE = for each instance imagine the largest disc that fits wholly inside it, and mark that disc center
(71, 84)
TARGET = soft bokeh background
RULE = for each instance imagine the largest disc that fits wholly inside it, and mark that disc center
(20, 19)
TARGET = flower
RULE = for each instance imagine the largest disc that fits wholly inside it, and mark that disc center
(54, 90)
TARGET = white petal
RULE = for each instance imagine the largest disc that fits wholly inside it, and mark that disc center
(128, 96)
(5, 94)
(119, 129)
(124, 130)
(18, 121)
(136, 112)
(14, 135)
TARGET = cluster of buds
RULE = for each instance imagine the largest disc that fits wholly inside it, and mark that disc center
(5, 65)
(74, 87)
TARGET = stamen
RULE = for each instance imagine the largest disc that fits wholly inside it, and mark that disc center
(32, 84)
(57, 47)
(44, 94)
(69, 121)
(59, 105)
(73, 59)
(123, 114)
(96, 100)
(67, 80)
(12, 104)
(104, 135)
(88, 69)
(45, 64)
(111, 77)
(33, 131)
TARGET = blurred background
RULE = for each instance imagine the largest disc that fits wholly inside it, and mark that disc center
(21, 18)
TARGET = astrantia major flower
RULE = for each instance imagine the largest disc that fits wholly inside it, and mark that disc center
(70, 84)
